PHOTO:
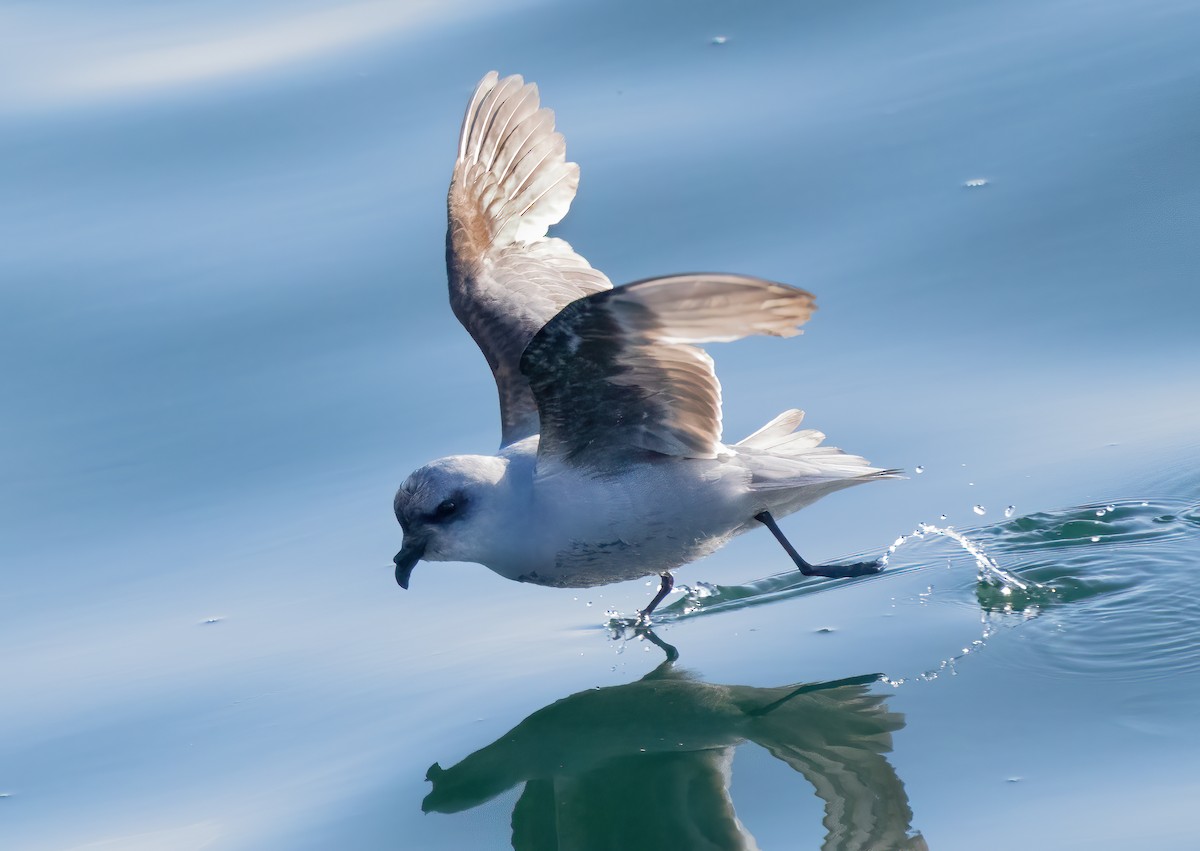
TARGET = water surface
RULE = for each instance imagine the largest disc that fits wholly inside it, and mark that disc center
(223, 317)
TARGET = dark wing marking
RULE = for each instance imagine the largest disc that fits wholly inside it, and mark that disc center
(614, 372)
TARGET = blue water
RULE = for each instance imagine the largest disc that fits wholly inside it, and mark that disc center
(226, 341)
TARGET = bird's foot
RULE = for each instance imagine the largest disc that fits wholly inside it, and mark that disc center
(831, 571)
(844, 571)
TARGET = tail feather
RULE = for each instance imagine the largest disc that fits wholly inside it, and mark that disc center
(782, 426)
(786, 458)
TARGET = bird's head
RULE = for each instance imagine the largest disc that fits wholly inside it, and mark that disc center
(448, 510)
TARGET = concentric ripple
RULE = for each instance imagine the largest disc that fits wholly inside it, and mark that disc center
(1127, 607)
(1109, 587)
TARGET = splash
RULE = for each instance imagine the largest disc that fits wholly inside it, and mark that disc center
(694, 595)
(1105, 595)
(1023, 597)
(999, 590)
(990, 572)
(1017, 596)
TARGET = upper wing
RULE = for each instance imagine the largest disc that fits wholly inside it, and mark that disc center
(614, 371)
(507, 279)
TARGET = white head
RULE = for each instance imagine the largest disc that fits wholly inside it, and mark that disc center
(449, 510)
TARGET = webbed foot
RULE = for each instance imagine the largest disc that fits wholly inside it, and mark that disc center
(832, 571)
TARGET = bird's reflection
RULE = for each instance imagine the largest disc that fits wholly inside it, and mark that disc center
(648, 764)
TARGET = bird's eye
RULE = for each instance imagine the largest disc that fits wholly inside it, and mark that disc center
(445, 509)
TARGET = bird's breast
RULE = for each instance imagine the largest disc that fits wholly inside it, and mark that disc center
(593, 530)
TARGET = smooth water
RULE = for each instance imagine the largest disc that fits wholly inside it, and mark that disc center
(226, 341)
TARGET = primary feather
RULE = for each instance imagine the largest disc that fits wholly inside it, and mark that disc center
(507, 279)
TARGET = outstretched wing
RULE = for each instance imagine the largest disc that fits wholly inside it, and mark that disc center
(616, 372)
(838, 738)
(507, 279)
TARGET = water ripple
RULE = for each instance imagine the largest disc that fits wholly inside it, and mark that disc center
(1107, 587)
(1126, 607)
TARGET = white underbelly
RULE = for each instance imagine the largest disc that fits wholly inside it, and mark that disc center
(593, 531)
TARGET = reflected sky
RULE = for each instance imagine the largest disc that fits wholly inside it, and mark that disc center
(143, 47)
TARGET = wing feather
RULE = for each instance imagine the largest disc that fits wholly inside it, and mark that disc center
(507, 278)
(616, 371)
(838, 739)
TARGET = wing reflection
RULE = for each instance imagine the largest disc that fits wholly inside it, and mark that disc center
(648, 765)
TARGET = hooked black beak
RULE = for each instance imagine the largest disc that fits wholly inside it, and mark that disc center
(407, 559)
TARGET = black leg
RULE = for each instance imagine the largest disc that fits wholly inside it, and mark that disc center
(648, 634)
(809, 688)
(668, 582)
(833, 571)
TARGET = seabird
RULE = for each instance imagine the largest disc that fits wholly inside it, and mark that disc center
(611, 463)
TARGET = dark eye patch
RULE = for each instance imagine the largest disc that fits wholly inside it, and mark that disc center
(446, 509)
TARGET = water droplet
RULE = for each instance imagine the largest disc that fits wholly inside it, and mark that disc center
(1014, 779)
(1110, 508)
(979, 509)
(719, 39)
(1101, 513)
(1095, 539)
(976, 182)
(918, 469)
(214, 619)
(1008, 512)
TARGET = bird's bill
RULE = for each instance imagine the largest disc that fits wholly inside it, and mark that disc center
(407, 559)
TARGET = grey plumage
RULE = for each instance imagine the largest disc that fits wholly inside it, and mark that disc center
(615, 373)
(606, 403)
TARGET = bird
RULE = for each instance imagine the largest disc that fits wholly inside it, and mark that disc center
(611, 464)
(654, 769)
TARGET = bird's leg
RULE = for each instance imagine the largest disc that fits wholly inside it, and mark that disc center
(668, 582)
(669, 649)
(809, 688)
(833, 571)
